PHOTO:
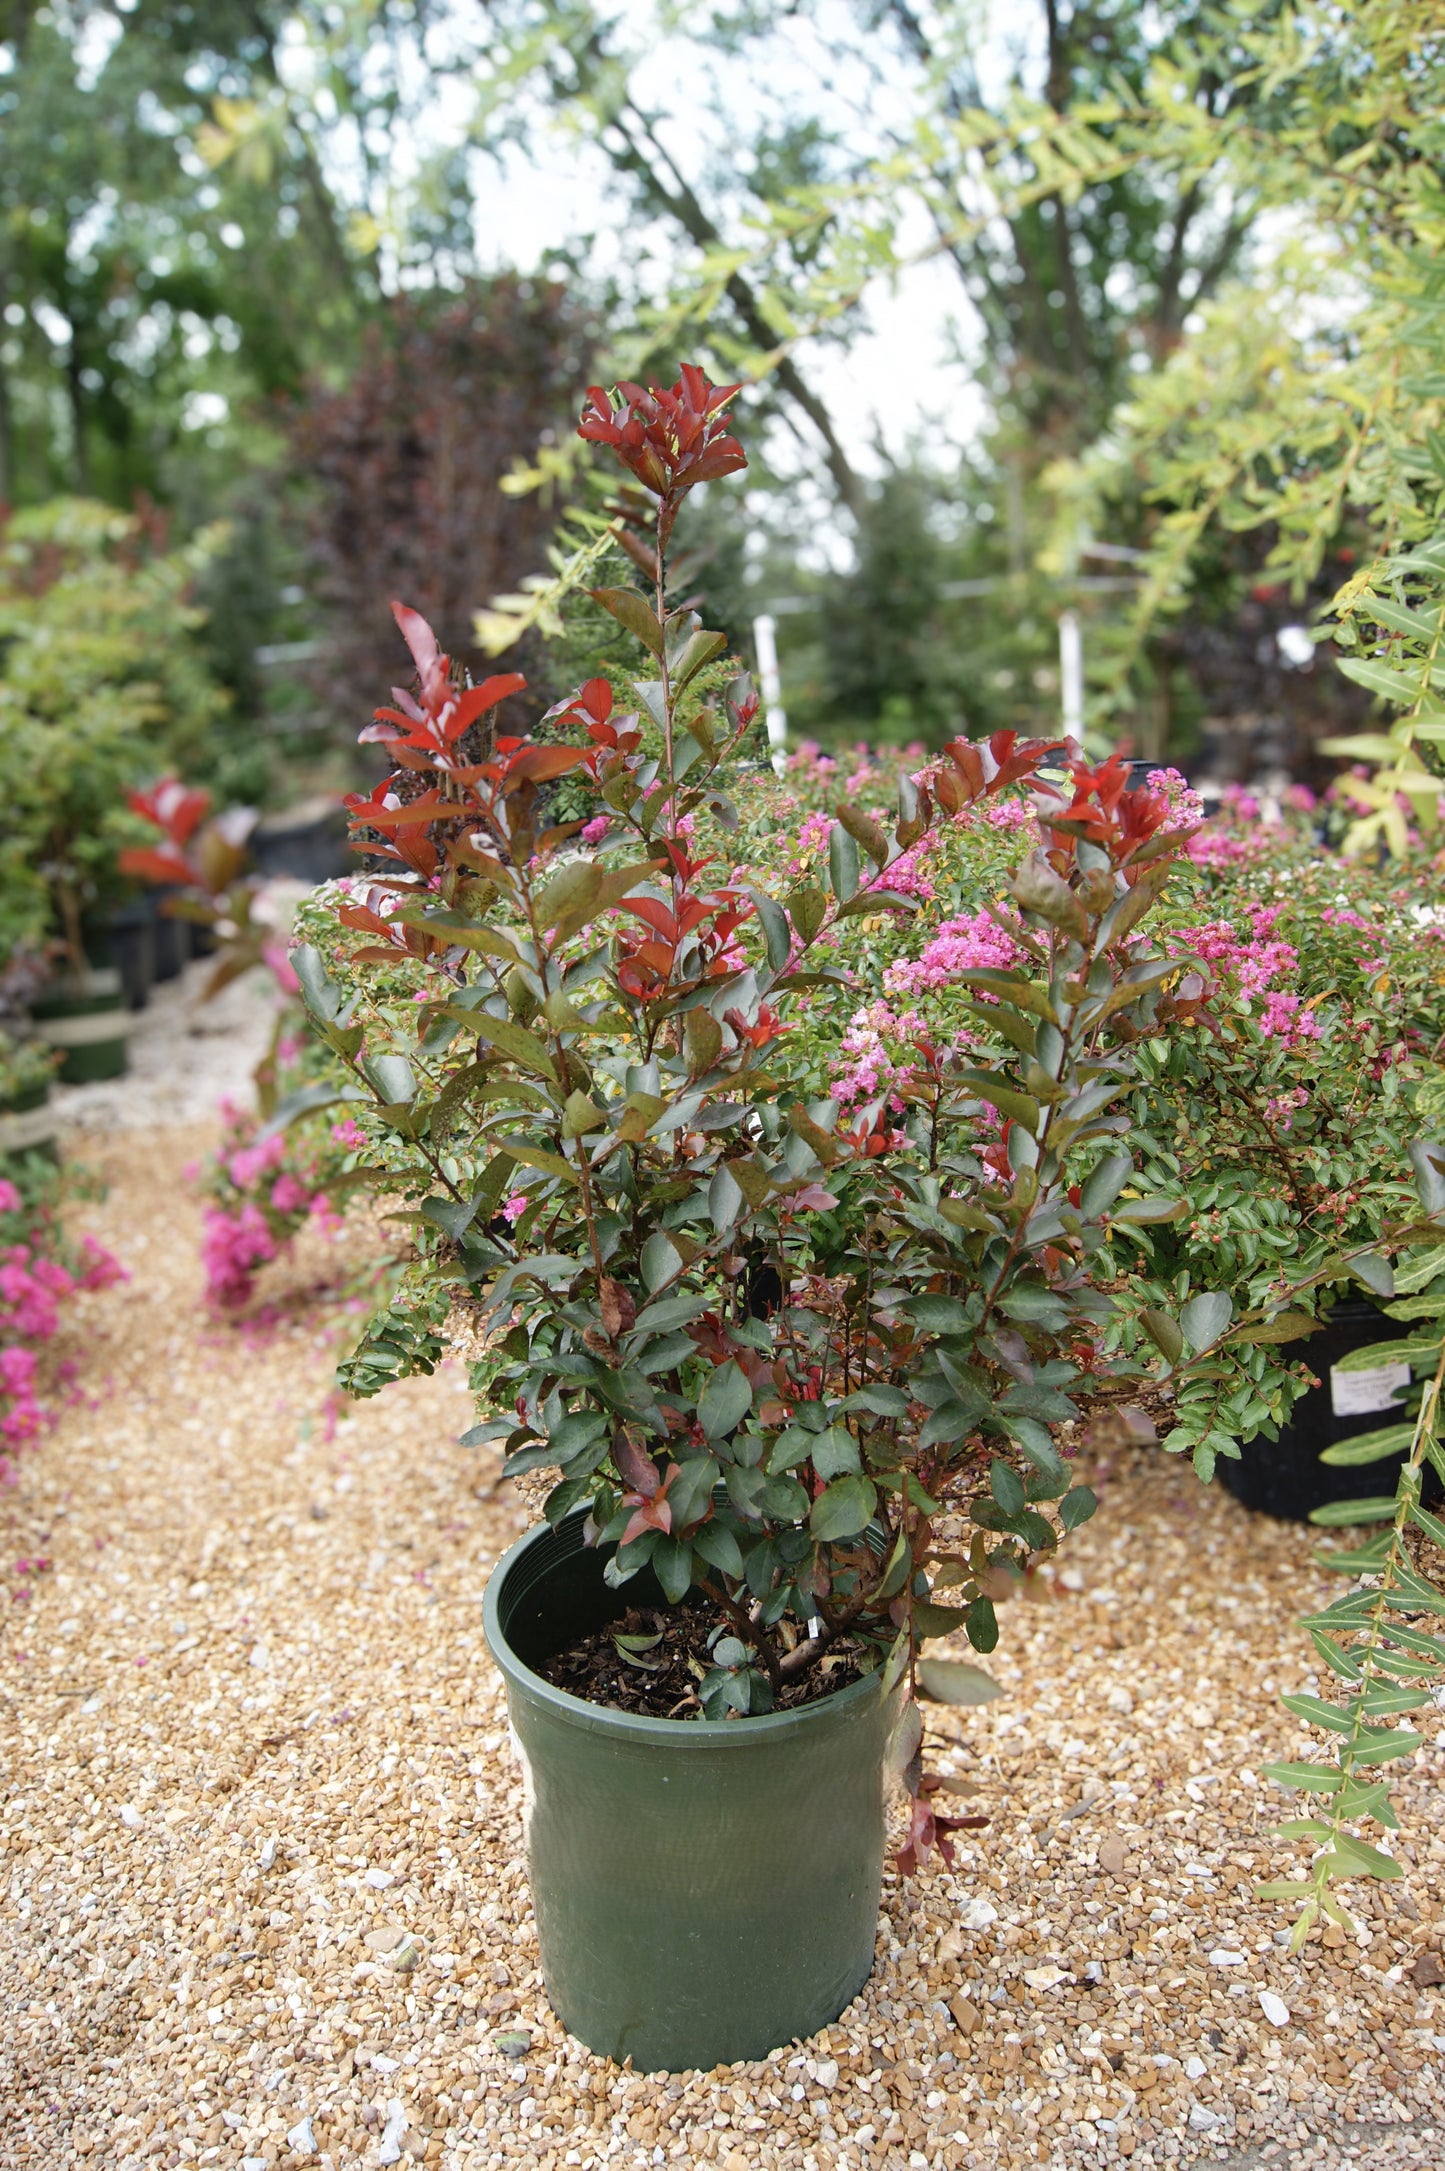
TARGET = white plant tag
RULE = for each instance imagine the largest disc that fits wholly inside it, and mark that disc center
(1356, 1394)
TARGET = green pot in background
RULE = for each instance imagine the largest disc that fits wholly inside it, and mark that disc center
(27, 1123)
(704, 1891)
(88, 1021)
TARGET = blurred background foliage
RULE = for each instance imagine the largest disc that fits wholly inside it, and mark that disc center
(259, 289)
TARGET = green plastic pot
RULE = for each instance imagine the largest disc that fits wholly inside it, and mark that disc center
(27, 1123)
(704, 1891)
(88, 1020)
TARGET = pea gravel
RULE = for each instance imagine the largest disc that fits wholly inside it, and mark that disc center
(263, 1898)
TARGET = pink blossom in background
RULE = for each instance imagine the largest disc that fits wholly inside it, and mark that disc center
(594, 831)
(249, 1163)
(1004, 813)
(815, 832)
(907, 875)
(970, 944)
(233, 1246)
(1301, 799)
(348, 1133)
(1253, 964)
(274, 957)
(289, 1195)
(9, 1197)
(1186, 808)
(1342, 916)
(1212, 850)
(515, 1207)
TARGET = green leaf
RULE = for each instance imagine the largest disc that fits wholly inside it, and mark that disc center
(774, 923)
(1003, 1095)
(1205, 1317)
(982, 1625)
(720, 1549)
(581, 891)
(393, 1077)
(661, 1261)
(581, 1115)
(672, 1565)
(452, 1216)
(1103, 1185)
(634, 612)
(1145, 1212)
(954, 1681)
(513, 1040)
(843, 1510)
(1039, 890)
(1432, 1526)
(1164, 1333)
(931, 1620)
(1369, 1447)
(1006, 1486)
(835, 1452)
(842, 863)
(1077, 1506)
(725, 1199)
(697, 651)
(807, 909)
(1317, 1712)
(725, 1401)
(1338, 1514)
(1369, 1268)
(1284, 1327)
(1313, 1778)
(1378, 678)
(321, 995)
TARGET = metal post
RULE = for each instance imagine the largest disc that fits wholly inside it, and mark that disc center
(765, 642)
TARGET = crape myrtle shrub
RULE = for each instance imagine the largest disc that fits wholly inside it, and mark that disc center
(401, 471)
(804, 1351)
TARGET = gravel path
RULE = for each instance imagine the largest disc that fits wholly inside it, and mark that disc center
(263, 1901)
(185, 1055)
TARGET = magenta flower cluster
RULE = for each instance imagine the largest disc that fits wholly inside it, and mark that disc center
(34, 1285)
(972, 943)
(268, 1189)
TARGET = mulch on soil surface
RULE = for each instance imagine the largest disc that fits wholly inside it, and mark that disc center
(264, 1899)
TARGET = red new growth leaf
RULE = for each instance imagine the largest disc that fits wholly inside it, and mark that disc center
(668, 440)
(419, 638)
(173, 807)
(155, 866)
(635, 1467)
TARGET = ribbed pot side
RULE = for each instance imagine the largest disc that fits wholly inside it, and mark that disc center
(704, 1892)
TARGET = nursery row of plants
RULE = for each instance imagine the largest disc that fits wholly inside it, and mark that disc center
(815, 1158)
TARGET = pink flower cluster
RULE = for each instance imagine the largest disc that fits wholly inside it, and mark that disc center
(867, 1066)
(1186, 808)
(1255, 965)
(963, 945)
(268, 1191)
(907, 875)
(33, 1286)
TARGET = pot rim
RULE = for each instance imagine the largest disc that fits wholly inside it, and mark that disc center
(685, 1734)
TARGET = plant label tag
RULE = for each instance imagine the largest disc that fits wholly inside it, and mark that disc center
(1356, 1394)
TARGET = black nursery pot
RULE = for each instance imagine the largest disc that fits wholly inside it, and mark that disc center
(1285, 1477)
(704, 1891)
(127, 944)
(171, 937)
